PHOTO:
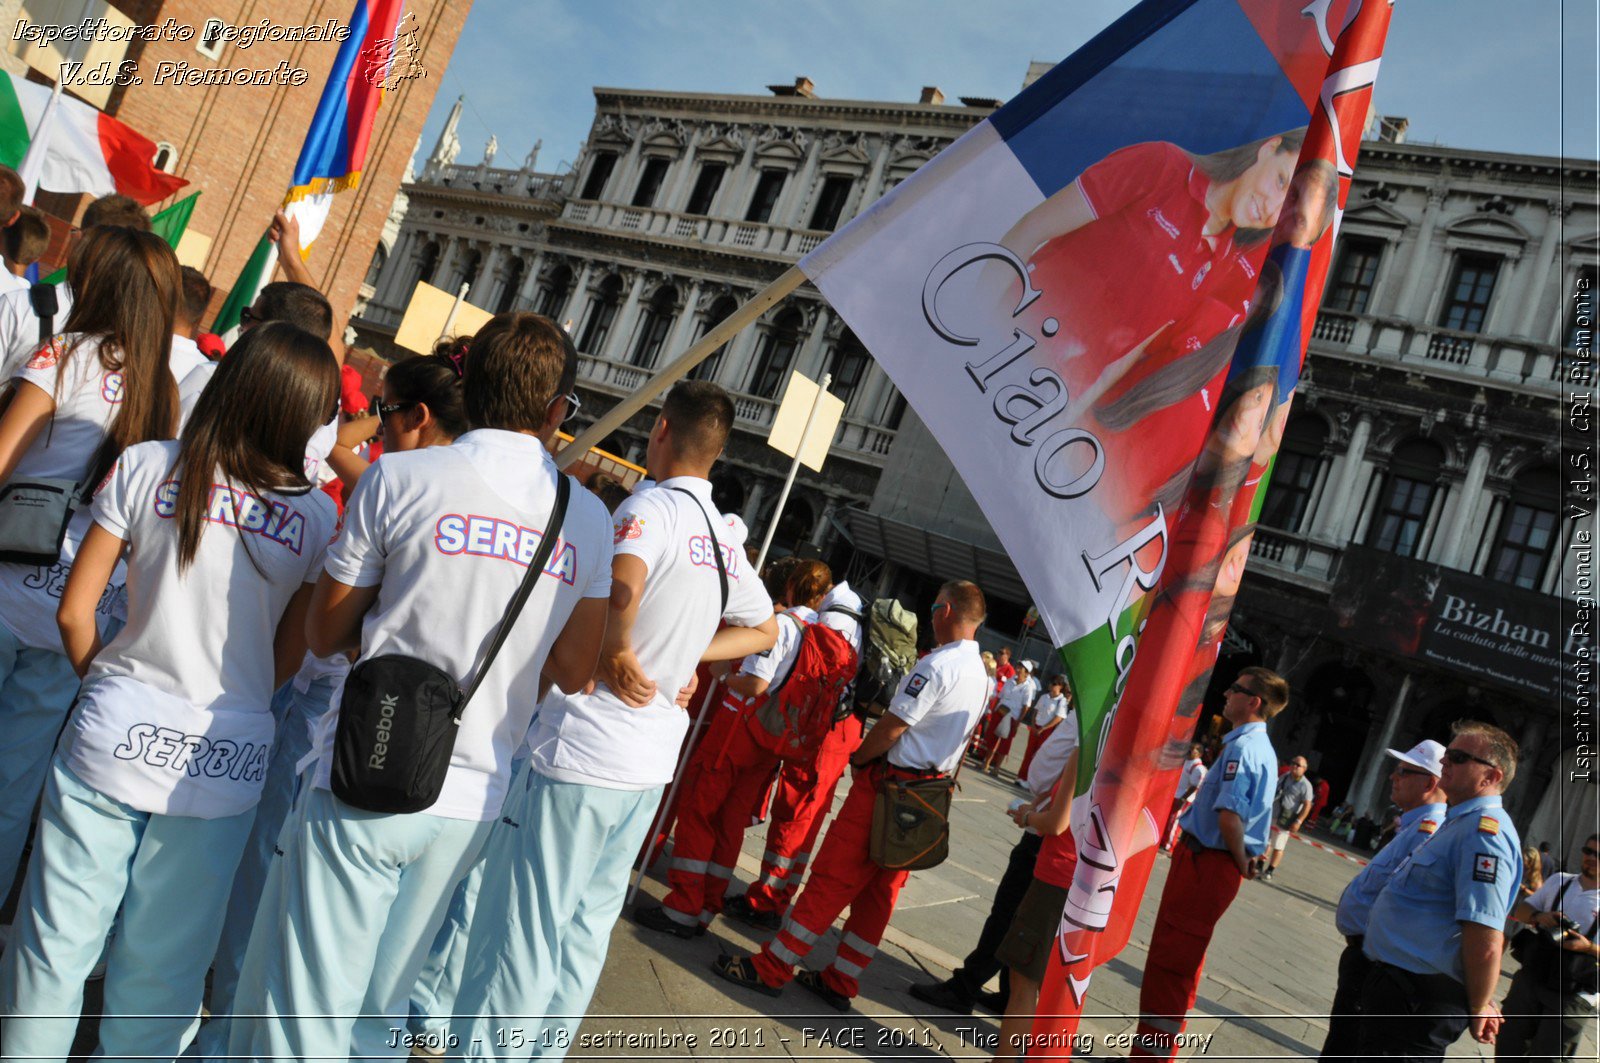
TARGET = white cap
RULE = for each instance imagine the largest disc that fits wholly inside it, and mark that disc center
(1427, 755)
(1030, 666)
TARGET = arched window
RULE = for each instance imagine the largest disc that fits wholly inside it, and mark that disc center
(654, 324)
(1403, 504)
(469, 268)
(511, 281)
(379, 258)
(602, 312)
(849, 367)
(1294, 474)
(427, 265)
(1527, 531)
(166, 158)
(554, 291)
(778, 348)
(719, 312)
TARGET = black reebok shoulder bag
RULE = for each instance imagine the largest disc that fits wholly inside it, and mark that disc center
(399, 715)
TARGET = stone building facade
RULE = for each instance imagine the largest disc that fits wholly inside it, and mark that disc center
(682, 207)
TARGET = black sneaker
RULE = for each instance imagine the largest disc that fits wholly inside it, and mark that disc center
(740, 908)
(946, 996)
(1265, 876)
(658, 919)
(812, 980)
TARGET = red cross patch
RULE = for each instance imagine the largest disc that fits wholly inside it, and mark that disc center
(1485, 868)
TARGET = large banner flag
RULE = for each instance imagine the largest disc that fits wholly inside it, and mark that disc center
(335, 150)
(1097, 300)
(73, 147)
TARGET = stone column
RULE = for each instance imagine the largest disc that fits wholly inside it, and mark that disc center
(1460, 519)
(752, 505)
(787, 212)
(1533, 295)
(819, 533)
(737, 357)
(626, 175)
(578, 301)
(809, 358)
(1530, 742)
(1421, 252)
(1365, 796)
(530, 282)
(623, 325)
(682, 334)
(730, 200)
(1332, 512)
(674, 198)
(880, 163)
(395, 269)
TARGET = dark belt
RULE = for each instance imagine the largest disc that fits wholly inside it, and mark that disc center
(913, 773)
(1196, 845)
(1355, 940)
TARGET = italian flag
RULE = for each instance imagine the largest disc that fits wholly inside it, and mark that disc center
(85, 150)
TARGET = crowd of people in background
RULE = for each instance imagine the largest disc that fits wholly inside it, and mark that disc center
(256, 586)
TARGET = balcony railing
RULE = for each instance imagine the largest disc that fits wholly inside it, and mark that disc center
(862, 441)
(697, 228)
(546, 186)
(1289, 553)
(1494, 358)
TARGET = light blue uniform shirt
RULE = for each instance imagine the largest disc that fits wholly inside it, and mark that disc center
(1469, 871)
(1243, 781)
(1355, 904)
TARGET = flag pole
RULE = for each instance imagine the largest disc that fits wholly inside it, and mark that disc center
(763, 301)
(672, 791)
(794, 468)
(32, 165)
(455, 308)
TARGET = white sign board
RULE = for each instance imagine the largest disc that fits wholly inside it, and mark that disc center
(426, 314)
(790, 423)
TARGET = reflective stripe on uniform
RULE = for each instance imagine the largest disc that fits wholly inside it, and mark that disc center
(770, 857)
(844, 966)
(856, 943)
(718, 871)
(784, 952)
(798, 932)
(681, 918)
(693, 867)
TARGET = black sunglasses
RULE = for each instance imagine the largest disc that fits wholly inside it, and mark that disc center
(386, 408)
(1239, 688)
(1591, 851)
(1461, 756)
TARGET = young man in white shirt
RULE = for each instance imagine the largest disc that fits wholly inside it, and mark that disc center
(1049, 709)
(1015, 699)
(920, 737)
(1194, 773)
(435, 543)
(557, 868)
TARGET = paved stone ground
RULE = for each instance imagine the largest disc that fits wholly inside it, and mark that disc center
(1269, 975)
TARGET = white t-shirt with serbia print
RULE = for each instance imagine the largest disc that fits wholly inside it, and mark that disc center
(595, 739)
(86, 396)
(174, 716)
(446, 534)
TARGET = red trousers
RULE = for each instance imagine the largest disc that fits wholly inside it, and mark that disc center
(800, 805)
(1036, 739)
(713, 815)
(843, 876)
(722, 714)
(1200, 886)
(984, 739)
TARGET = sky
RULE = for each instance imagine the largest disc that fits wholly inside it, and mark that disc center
(1501, 75)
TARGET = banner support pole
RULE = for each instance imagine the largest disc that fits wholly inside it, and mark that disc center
(794, 469)
(650, 844)
(759, 304)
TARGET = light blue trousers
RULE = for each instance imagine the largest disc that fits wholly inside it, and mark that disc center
(555, 876)
(169, 874)
(295, 713)
(36, 692)
(433, 998)
(356, 899)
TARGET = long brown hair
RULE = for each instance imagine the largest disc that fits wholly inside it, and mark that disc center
(1231, 163)
(125, 286)
(250, 425)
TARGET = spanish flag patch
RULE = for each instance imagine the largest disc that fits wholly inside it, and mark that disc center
(1427, 826)
(1488, 825)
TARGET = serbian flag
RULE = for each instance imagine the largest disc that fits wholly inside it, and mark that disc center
(335, 150)
(68, 146)
(1097, 300)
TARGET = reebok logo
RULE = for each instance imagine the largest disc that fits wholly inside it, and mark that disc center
(380, 746)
